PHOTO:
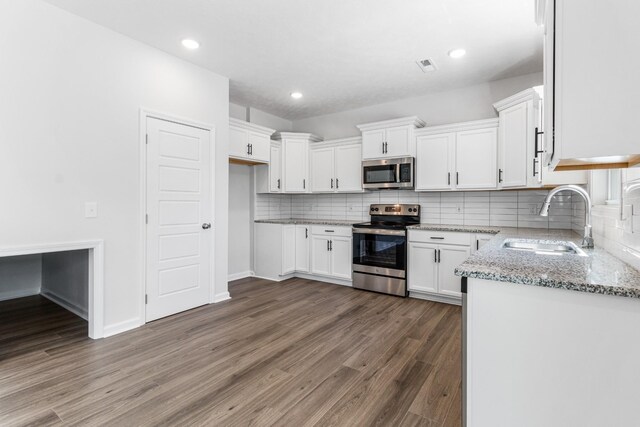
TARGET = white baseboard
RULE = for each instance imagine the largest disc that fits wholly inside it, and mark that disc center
(238, 276)
(62, 302)
(324, 279)
(18, 294)
(118, 328)
(221, 297)
(434, 297)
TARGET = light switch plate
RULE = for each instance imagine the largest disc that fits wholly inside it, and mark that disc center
(91, 209)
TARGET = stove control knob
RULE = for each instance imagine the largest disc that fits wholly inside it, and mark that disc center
(376, 209)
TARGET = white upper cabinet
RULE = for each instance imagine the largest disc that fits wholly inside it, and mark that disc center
(295, 160)
(589, 56)
(390, 138)
(435, 161)
(336, 166)
(249, 142)
(268, 178)
(476, 156)
(458, 156)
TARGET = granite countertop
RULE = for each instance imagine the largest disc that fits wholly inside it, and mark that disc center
(481, 229)
(336, 222)
(598, 272)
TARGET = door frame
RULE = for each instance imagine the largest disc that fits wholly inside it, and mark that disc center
(145, 114)
(95, 309)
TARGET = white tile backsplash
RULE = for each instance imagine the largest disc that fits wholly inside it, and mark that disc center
(494, 208)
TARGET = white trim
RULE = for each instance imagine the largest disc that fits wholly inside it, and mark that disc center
(146, 113)
(279, 136)
(238, 276)
(404, 121)
(62, 302)
(224, 296)
(457, 127)
(118, 328)
(518, 98)
(325, 279)
(337, 142)
(435, 297)
(242, 124)
(4, 296)
(96, 274)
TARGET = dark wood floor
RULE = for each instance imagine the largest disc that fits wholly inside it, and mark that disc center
(292, 353)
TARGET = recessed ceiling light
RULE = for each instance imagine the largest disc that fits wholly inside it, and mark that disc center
(457, 53)
(190, 44)
(296, 95)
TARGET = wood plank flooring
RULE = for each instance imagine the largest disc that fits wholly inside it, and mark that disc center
(294, 353)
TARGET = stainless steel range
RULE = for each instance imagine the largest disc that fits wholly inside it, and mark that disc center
(380, 249)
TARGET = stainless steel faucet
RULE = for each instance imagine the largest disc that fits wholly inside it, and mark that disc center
(587, 239)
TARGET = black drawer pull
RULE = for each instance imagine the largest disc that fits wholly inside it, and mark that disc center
(437, 238)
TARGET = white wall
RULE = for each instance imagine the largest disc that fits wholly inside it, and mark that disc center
(20, 276)
(69, 133)
(468, 103)
(237, 111)
(269, 120)
(240, 220)
(65, 279)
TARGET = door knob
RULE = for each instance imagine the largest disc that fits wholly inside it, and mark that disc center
(206, 225)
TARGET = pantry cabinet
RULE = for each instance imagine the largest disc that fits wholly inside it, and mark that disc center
(460, 156)
(249, 142)
(591, 90)
(389, 138)
(336, 166)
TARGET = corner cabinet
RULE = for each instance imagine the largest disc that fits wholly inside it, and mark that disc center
(295, 160)
(461, 156)
(336, 166)
(590, 101)
(389, 138)
(248, 142)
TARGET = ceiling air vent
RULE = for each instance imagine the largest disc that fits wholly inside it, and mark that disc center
(426, 65)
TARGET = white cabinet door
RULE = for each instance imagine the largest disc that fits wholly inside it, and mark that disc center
(341, 259)
(476, 157)
(398, 142)
(238, 142)
(373, 144)
(449, 258)
(348, 168)
(295, 166)
(320, 255)
(322, 173)
(288, 249)
(260, 147)
(513, 137)
(481, 240)
(302, 248)
(275, 171)
(435, 161)
(423, 268)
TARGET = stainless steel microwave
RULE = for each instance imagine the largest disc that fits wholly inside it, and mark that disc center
(388, 174)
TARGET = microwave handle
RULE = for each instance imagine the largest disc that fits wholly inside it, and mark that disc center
(398, 173)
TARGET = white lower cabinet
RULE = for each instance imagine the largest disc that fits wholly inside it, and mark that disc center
(285, 249)
(302, 246)
(432, 265)
(480, 241)
(331, 251)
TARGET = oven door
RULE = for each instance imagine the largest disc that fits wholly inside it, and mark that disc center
(379, 251)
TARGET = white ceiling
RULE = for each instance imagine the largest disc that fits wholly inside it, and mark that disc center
(341, 54)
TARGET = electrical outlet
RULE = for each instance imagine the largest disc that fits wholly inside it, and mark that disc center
(534, 209)
(90, 209)
(459, 208)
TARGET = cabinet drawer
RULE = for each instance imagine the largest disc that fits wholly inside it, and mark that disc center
(440, 237)
(328, 230)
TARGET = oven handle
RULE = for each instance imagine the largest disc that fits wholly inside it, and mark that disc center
(379, 231)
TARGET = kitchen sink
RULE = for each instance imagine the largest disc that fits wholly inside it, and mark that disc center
(542, 247)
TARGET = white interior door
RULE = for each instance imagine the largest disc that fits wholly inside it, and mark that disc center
(178, 207)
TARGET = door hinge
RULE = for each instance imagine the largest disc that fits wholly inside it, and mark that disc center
(146, 298)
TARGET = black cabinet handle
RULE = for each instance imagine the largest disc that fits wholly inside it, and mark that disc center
(248, 150)
(337, 184)
(499, 175)
(304, 184)
(435, 255)
(448, 178)
(382, 147)
(327, 246)
(535, 146)
(332, 183)
(457, 178)
(278, 183)
(477, 244)
(437, 238)
(438, 256)
(306, 233)
(331, 245)
(329, 231)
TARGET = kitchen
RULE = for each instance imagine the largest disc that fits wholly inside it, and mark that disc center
(395, 250)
